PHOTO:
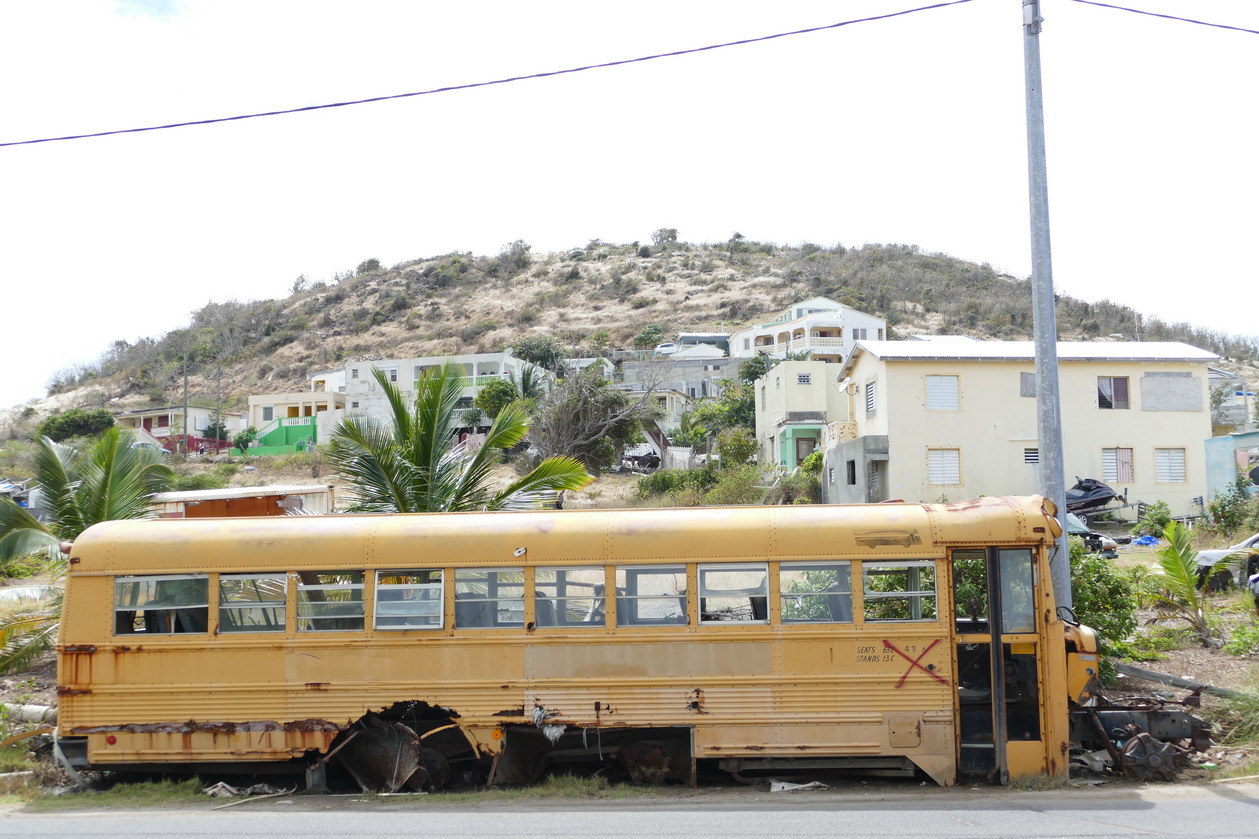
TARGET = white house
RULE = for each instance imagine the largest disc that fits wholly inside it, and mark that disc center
(821, 326)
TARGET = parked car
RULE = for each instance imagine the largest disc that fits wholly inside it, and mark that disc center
(667, 348)
(1238, 574)
(1095, 542)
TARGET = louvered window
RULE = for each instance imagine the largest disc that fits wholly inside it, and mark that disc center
(1031, 455)
(1117, 466)
(942, 393)
(1169, 466)
(871, 397)
(944, 467)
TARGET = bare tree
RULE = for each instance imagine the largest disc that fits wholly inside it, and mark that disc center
(588, 419)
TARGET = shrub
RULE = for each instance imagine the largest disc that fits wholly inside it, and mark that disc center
(1231, 509)
(736, 485)
(1154, 521)
(1244, 641)
(1103, 600)
(735, 447)
(76, 423)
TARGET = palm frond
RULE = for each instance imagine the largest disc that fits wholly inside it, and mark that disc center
(26, 636)
(21, 533)
(554, 474)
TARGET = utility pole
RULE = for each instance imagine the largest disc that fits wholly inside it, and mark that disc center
(185, 401)
(1044, 318)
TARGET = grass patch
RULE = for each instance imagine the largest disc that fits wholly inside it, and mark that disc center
(555, 786)
(1150, 646)
(14, 758)
(1236, 718)
(1039, 783)
(124, 795)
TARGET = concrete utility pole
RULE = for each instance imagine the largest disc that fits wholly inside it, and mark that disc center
(1044, 318)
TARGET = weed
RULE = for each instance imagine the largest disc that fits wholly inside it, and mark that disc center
(1245, 640)
(126, 795)
(1236, 718)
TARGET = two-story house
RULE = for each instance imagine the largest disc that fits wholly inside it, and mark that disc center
(364, 397)
(795, 401)
(821, 326)
(956, 419)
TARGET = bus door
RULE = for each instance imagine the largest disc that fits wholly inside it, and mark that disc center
(997, 663)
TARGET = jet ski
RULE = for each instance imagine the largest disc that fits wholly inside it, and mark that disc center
(1089, 495)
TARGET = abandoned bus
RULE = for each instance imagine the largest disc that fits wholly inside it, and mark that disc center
(885, 639)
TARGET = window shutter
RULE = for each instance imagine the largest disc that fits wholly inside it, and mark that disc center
(870, 397)
(1169, 466)
(943, 467)
(942, 393)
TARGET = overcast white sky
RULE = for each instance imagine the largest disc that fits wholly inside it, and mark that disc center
(909, 130)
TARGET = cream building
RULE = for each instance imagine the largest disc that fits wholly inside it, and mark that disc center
(956, 419)
(795, 401)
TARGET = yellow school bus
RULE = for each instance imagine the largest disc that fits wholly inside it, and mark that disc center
(885, 639)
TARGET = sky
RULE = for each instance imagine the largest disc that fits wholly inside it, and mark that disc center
(907, 130)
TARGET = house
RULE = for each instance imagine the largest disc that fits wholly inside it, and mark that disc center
(820, 326)
(1231, 403)
(165, 426)
(327, 381)
(795, 401)
(698, 378)
(365, 398)
(289, 422)
(933, 420)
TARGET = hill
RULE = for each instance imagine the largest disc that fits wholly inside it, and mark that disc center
(593, 298)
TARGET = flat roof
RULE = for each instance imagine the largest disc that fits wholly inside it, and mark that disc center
(239, 492)
(953, 350)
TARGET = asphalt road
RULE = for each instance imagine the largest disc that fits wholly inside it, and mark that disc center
(1218, 811)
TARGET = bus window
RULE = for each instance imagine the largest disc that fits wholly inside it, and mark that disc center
(166, 605)
(489, 598)
(1017, 597)
(329, 601)
(252, 602)
(899, 591)
(734, 593)
(568, 597)
(815, 592)
(409, 599)
(651, 596)
(970, 590)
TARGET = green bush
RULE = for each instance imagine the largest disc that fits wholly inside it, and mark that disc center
(1154, 521)
(736, 485)
(76, 422)
(671, 481)
(1244, 641)
(1103, 599)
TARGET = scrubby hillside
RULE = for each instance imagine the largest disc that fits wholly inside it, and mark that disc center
(593, 298)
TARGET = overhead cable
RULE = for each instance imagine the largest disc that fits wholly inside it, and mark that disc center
(1168, 17)
(471, 85)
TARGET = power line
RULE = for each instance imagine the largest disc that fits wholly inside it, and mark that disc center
(472, 85)
(1168, 17)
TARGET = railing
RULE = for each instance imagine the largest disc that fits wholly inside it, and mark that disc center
(783, 318)
(289, 422)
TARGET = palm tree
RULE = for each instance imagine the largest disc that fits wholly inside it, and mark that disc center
(416, 466)
(79, 488)
(1177, 594)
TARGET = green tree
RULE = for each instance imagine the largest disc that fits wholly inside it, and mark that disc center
(542, 350)
(215, 429)
(735, 446)
(664, 236)
(414, 464)
(649, 337)
(495, 396)
(244, 437)
(109, 480)
(76, 422)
